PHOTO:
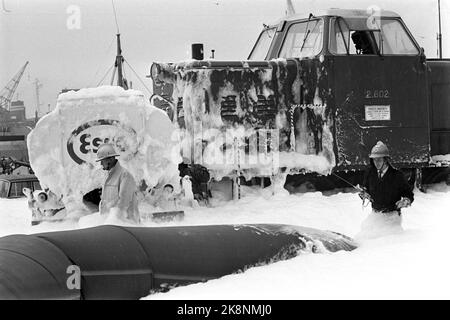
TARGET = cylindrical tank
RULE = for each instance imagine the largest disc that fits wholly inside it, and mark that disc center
(117, 262)
(33, 268)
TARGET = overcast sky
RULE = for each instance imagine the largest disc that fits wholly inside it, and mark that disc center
(71, 44)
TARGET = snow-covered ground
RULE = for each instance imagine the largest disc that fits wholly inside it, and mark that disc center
(411, 264)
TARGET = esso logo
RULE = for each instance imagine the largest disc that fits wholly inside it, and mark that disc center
(85, 140)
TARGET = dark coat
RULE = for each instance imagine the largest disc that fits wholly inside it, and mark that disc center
(198, 173)
(385, 192)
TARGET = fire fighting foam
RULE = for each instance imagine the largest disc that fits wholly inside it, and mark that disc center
(63, 145)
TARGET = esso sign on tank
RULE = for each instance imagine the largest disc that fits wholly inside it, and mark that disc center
(85, 140)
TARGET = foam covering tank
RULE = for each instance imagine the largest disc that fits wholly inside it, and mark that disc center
(118, 262)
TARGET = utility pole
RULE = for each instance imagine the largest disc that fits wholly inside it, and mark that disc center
(439, 36)
(37, 86)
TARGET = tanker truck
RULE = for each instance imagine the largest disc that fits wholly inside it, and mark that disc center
(313, 97)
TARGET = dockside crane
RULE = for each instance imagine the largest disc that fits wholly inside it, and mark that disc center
(7, 92)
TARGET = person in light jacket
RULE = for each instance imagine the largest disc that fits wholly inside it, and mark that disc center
(119, 189)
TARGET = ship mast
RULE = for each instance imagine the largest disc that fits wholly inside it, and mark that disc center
(118, 65)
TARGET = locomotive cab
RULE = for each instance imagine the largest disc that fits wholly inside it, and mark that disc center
(376, 75)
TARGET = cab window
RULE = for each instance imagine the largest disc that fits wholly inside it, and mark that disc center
(36, 185)
(4, 187)
(261, 48)
(304, 39)
(395, 39)
(390, 38)
(340, 38)
(17, 187)
(347, 40)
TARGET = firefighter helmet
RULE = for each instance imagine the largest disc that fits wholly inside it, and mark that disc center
(380, 150)
(106, 150)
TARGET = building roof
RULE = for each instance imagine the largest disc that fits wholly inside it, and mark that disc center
(18, 177)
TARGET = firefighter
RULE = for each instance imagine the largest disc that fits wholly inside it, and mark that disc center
(119, 189)
(388, 189)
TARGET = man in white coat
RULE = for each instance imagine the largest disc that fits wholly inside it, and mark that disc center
(119, 189)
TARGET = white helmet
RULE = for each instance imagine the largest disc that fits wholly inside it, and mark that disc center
(380, 150)
(106, 150)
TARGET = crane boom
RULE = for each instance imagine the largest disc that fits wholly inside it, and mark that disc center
(8, 91)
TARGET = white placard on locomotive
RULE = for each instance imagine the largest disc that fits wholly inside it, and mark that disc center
(378, 113)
